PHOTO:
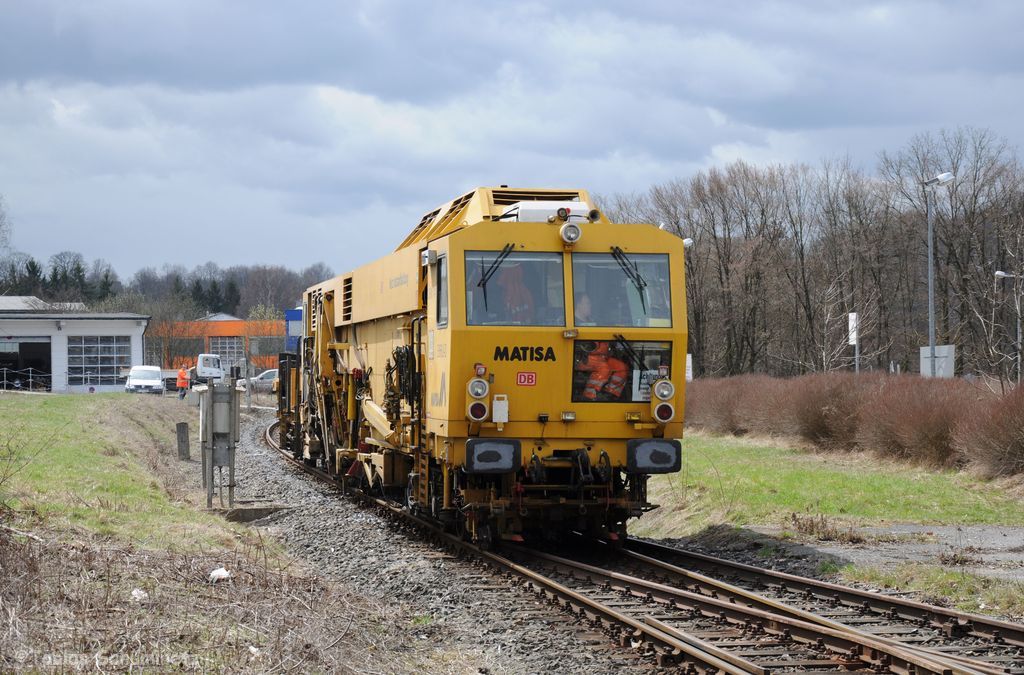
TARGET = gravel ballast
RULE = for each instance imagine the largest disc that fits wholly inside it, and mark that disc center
(464, 608)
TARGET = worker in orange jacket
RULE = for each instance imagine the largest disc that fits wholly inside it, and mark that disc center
(607, 373)
(182, 382)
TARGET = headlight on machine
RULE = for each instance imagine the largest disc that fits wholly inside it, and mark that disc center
(478, 387)
(653, 455)
(664, 389)
(570, 233)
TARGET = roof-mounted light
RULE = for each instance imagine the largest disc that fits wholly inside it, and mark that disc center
(570, 233)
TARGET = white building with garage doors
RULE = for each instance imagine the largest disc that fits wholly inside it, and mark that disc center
(42, 349)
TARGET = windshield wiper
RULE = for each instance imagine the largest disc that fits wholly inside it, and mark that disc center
(485, 275)
(633, 272)
(635, 360)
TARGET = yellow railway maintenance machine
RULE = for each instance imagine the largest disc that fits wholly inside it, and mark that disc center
(515, 368)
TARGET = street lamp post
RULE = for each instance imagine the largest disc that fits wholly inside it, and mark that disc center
(1006, 275)
(928, 185)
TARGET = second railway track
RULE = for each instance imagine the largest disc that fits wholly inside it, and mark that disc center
(709, 615)
(954, 630)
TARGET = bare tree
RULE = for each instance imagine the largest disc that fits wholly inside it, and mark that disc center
(173, 337)
(974, 232)
(272, 286)
(782, 254)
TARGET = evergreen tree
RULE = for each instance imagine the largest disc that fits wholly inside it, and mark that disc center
(214, 298)
(232, 296)
(198, 294)
(106, 286)
(32, 284)
(77, 281)
(178, 287)
(53, 284)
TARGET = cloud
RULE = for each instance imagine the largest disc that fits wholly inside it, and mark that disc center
(148, 132)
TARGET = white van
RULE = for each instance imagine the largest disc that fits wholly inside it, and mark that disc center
(208, 368)
(144, 379)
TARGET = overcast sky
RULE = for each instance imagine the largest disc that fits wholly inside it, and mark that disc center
(149, 132)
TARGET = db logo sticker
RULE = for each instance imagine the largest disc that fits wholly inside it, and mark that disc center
(526, 379)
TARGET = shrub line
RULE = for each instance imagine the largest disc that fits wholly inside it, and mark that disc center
(938, 423)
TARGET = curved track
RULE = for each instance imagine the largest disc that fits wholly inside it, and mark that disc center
(645, 598)
(672, 584)
(705, 570)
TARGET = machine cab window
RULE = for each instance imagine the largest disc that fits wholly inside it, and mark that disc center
(442, 292)
(620, 289)
(509, 288)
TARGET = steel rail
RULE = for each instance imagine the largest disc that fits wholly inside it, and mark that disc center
(673, 647)
(768, 604)
(952, 622)
(860, 646)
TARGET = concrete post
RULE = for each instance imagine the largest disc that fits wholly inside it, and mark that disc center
(183, 449)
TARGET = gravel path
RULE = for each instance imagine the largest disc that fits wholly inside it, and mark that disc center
(459, 606)
(987, 550)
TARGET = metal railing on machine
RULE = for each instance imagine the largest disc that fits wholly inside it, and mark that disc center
(25, 379)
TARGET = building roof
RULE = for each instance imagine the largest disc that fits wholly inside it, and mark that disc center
(22, 303)
(75, 316)
(220, 316)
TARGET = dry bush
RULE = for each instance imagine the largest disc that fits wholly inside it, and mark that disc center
(737, 405)
(819, 408)
(8, 467)
(712, 404)
(991, 439)
(821, 528)
(825, 407)
(942, 423)
(960, 557)
(914, 419)
(764, 406)
(17, 450)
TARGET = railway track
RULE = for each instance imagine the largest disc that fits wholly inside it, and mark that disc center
(657, 581)
(961, 631)
(728, 619)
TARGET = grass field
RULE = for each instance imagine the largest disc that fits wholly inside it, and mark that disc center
(85, 469)
(745, 481)
(105, 559)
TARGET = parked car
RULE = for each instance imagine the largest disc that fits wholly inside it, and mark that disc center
(262, 382)
(144, 379)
